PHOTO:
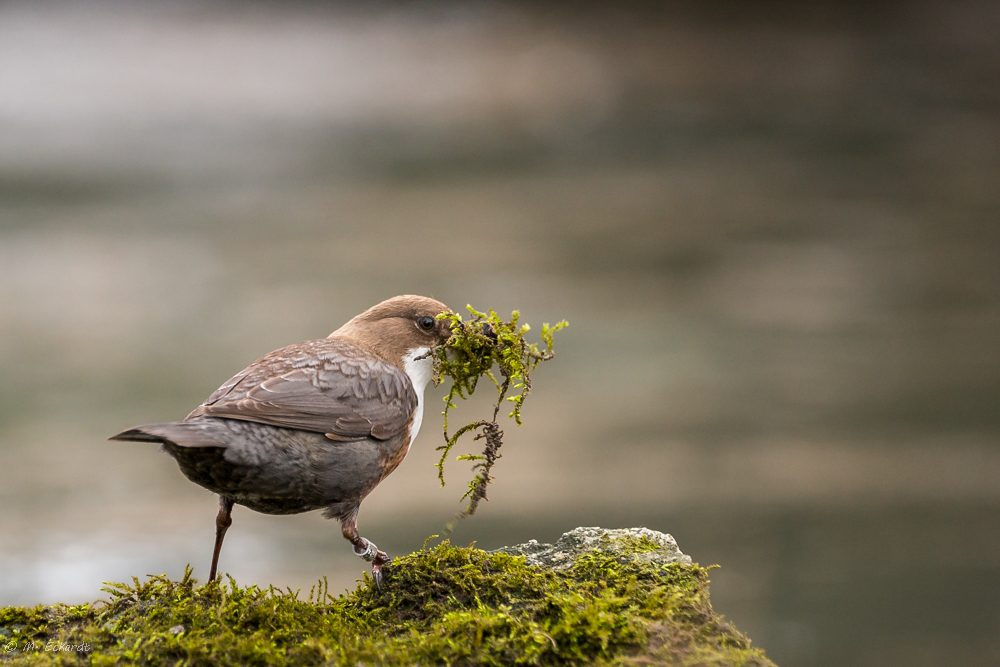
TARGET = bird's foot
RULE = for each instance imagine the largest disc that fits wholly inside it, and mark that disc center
(377, 577)
(377, 558)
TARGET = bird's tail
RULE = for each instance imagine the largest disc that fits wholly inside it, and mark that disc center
(193, 433)
(138, 434)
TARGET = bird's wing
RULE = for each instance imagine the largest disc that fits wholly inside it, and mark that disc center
(328, 386)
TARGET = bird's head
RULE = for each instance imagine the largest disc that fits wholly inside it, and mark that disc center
(398, 327)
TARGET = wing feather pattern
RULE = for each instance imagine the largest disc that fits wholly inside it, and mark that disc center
(329, 386)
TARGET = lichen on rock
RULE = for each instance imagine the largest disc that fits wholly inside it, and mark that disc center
(640, 545)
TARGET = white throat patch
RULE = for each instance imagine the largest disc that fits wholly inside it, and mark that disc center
(419, 372)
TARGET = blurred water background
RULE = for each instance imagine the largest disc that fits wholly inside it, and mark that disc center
(773, 228)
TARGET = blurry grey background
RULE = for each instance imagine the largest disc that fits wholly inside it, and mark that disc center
(773, 228)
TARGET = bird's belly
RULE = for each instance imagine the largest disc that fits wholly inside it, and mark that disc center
(266, 505)
(283, 471)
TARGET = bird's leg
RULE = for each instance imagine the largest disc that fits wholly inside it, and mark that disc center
(223, 521)
(365, 548)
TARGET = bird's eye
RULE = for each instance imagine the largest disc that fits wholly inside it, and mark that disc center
(425, 323)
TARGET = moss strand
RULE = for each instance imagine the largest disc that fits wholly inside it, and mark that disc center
(474, 348)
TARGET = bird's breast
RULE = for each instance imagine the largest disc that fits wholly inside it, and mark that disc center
(419, 371)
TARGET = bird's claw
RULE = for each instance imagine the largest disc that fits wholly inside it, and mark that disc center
(376, 557)
(381, 558)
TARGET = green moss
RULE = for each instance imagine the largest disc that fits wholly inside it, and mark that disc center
(446, 606)
(477, 345)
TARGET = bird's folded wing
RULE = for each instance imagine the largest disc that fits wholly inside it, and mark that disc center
(328, 386)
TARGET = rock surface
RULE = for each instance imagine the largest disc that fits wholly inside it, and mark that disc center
(662, 548)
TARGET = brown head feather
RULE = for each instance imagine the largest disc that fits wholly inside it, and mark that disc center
(390, 329)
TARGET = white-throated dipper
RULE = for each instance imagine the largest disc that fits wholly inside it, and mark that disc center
(316, 425)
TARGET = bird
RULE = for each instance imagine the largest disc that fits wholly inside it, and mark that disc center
(315, 425)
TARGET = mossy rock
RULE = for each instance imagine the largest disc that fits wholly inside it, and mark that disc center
(594, 598)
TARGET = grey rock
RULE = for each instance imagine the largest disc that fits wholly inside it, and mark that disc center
(620, 543)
